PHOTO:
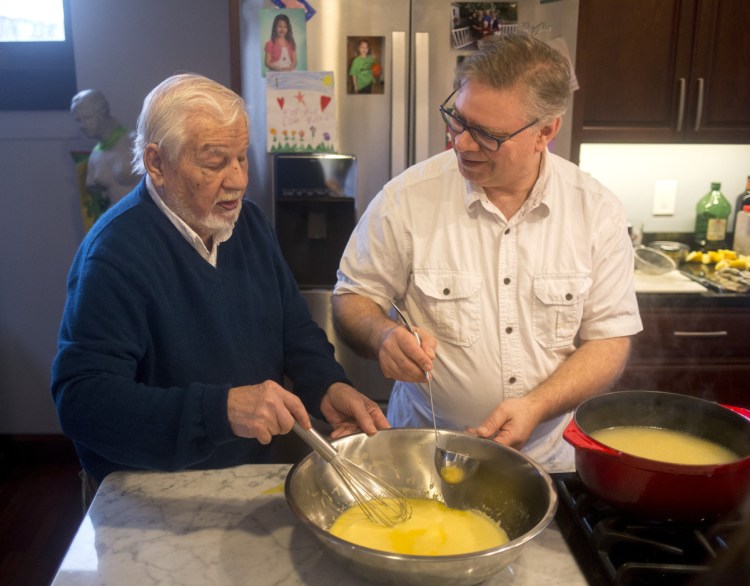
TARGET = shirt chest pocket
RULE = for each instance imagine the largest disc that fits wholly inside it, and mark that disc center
(450, 302)
(558, 308)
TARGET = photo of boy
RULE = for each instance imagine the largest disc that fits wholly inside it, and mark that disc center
(365, 65)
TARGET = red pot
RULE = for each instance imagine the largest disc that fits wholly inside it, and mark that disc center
(655, 490)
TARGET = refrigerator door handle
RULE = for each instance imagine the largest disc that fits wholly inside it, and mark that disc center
(399, 104)
(421, 96)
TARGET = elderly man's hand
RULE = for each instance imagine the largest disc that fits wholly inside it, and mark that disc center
(264, 410)
(349, 411)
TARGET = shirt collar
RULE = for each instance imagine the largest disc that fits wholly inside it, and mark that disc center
(537, 195)
(474, 193)
(187, 232)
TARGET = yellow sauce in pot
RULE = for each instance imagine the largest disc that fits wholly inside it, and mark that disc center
(665, 445)
(433, 530)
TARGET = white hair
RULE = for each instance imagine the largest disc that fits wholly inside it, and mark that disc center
(168, 108)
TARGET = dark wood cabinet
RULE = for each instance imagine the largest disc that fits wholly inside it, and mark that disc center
(662, 71)
(700, 352)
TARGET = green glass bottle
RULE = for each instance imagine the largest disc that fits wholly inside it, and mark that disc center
(711, 216)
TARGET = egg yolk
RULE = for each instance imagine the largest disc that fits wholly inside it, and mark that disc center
(432, 530)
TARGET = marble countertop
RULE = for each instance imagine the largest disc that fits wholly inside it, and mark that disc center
(671, 282)
(233, 526)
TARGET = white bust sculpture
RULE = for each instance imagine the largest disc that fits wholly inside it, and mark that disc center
(109, 171)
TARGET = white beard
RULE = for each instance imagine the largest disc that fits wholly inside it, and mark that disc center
(219, 228)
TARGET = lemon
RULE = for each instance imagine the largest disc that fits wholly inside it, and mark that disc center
(739, 263)
(729, 257)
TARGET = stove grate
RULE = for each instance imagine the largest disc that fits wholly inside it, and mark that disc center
(612, 548)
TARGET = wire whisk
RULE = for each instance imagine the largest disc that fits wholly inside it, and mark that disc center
(379, 501)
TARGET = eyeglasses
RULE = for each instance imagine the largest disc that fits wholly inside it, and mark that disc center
(483, 138)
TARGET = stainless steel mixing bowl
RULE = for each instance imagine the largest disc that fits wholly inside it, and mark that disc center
(507, 486)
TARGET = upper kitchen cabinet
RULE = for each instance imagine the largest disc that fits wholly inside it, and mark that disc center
(662, 71)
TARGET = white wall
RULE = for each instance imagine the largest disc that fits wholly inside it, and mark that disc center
(123, 48)
(632, 170)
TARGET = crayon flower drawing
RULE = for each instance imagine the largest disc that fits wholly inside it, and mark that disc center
(300, 112)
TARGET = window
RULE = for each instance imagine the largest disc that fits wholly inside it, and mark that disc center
(37, 69)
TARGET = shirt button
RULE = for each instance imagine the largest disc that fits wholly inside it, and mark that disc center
(568, 296)
(507, 231)
(446, 291)
(506, 280)
(512, 380)
(509, 330)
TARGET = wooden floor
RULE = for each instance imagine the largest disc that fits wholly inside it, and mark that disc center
(40, 507)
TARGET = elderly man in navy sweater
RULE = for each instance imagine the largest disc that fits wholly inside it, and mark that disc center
(182, 318)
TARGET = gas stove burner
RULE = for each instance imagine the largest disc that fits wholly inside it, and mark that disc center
(613, 548)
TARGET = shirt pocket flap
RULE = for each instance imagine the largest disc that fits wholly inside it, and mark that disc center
(447, 285)
(559, 290)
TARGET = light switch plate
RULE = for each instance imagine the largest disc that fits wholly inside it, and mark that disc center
(665, 196)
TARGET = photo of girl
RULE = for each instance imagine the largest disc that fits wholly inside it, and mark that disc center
(365, 70)
(281, 50)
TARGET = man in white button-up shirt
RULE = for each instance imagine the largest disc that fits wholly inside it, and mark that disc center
(516, 266)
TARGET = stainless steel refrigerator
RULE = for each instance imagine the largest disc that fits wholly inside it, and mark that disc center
(388, 131)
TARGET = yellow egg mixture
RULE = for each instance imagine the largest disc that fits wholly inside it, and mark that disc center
(433, 529)
(665, 445)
